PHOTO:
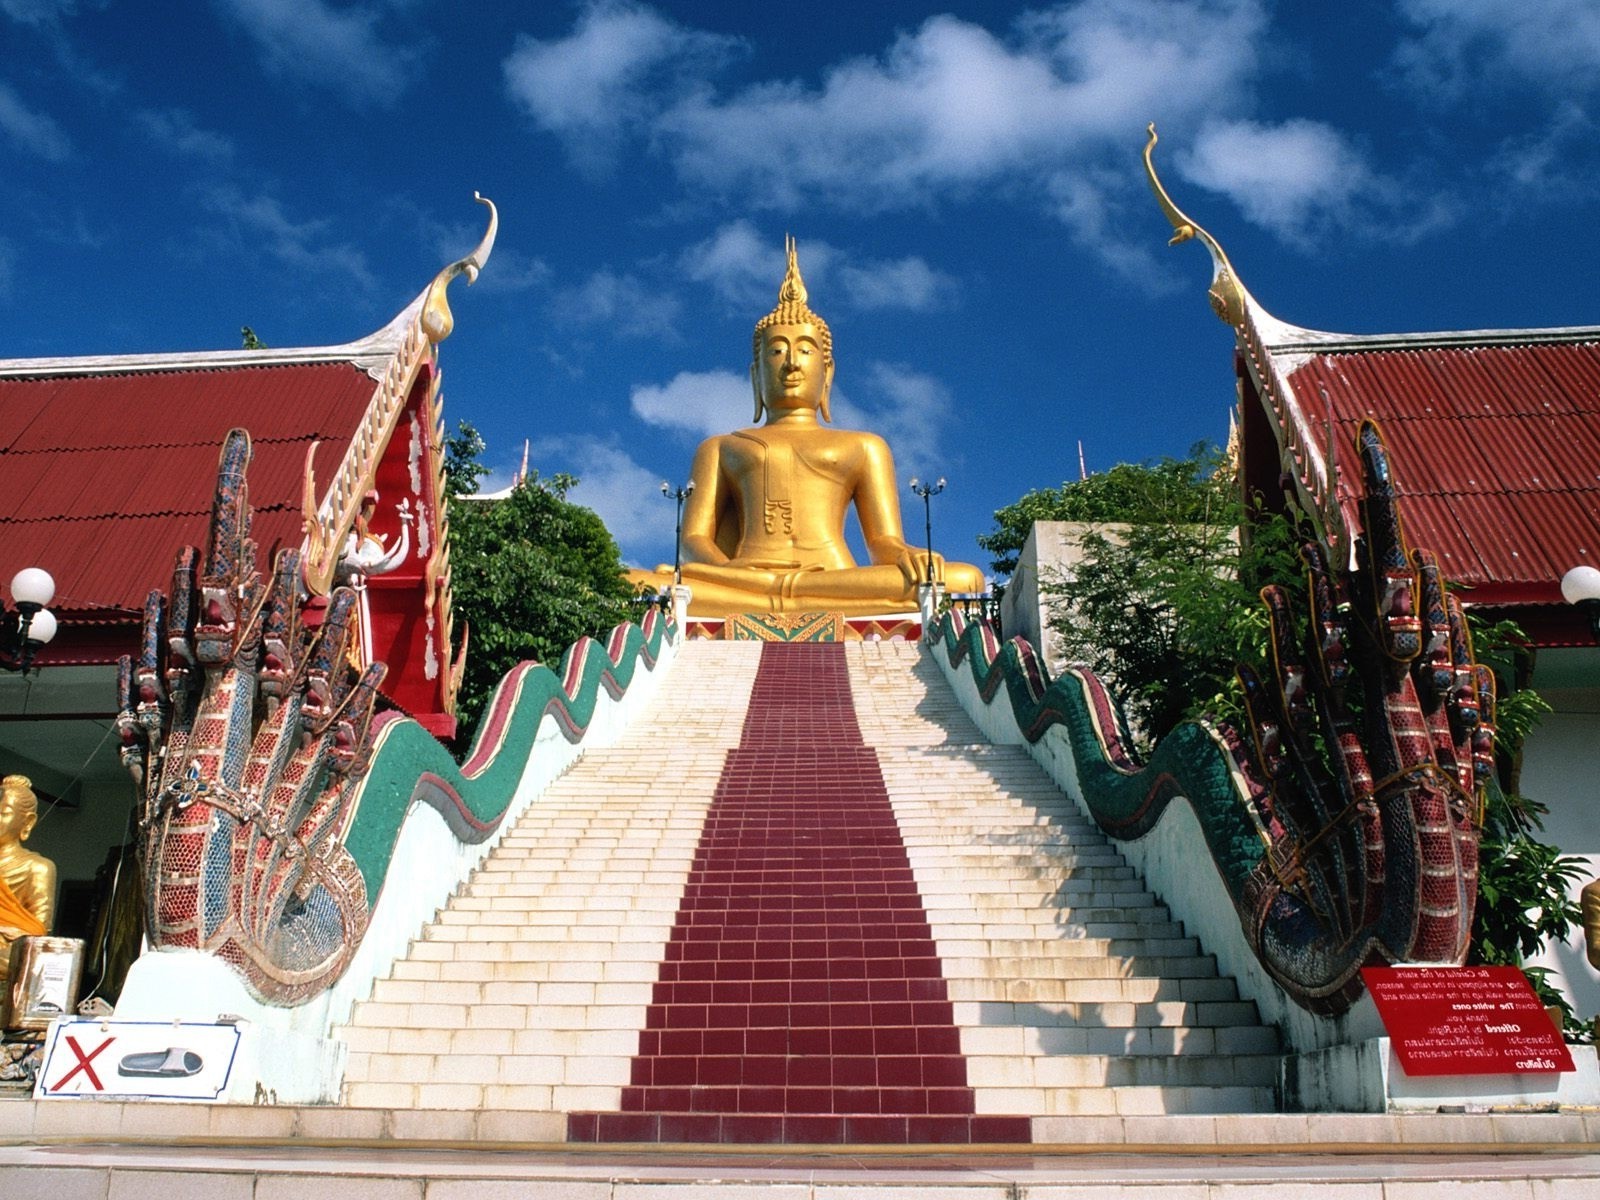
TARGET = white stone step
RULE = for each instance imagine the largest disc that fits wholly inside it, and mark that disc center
(1124, 1101)
(1000, 966)
(1035, 1040)
(1116, 1015)
(1120, 1070)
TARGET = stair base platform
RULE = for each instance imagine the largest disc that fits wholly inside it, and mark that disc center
(179, 1151)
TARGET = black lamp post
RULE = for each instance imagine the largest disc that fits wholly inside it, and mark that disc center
(927, 491)
(31, 590)
(680, 495)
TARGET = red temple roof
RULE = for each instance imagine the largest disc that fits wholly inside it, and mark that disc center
(1494, 442)
(108, 472)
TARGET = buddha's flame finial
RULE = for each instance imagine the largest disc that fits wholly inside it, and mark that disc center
(1227, 295)
(793, 290)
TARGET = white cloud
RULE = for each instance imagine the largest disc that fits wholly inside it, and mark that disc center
(1285, 177)
(587, 87)
(1550, 160)
(1049, 111)
(1548, 44)
(908, 283)
(952, 106)
(621, 302)
(739, 264)
(745, 269)
(32, 131)
(175, 130)
(260, 221)
(626, 496)
(510, 270)
(697, 402)
(339, 49)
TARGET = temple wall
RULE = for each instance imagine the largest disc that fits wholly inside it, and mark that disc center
(1561, 768)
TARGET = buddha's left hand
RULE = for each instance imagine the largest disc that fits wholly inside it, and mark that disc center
(918, 566)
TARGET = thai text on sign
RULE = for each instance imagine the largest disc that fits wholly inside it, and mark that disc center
(1465, 1021)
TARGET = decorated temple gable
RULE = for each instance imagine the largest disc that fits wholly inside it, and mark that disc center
(116, 460)
(1493, 436)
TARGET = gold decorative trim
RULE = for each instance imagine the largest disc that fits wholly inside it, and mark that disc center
(1228, 298)
(430, 322)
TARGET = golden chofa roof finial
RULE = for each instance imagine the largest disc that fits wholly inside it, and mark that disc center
(1227, 295)
(437, 320)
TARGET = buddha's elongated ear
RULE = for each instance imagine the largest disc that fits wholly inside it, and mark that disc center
(827, 391)
(755, 390)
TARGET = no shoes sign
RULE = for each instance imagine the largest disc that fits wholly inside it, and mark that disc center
(150, 1060)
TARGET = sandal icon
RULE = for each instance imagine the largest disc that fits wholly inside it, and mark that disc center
(172, 1063)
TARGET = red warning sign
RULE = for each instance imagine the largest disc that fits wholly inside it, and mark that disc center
(1466, 1021)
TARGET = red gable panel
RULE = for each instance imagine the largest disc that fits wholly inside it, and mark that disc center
(106, 475)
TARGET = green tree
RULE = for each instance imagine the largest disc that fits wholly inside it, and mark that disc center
(463, 469)
(1117, 495)
(1164, 604)
(531, 574)
(1525, 885)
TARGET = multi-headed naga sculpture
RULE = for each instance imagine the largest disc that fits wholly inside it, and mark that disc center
(1368, 754)
(273, 799)
(246, 730)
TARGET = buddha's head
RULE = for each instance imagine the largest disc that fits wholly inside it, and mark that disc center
(792, 367)
(19, 808)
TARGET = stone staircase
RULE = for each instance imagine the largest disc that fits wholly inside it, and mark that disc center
(1076, 992)
(1066, 988)
(530, 988)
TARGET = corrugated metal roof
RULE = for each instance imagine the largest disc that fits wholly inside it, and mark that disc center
(1495, 448)
(107, 474)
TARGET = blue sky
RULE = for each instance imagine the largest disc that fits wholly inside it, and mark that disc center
(964, 181)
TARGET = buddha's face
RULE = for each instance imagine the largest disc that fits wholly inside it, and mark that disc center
(790, 372)
(18, 812)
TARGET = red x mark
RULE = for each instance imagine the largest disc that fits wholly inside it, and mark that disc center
(83, 1063)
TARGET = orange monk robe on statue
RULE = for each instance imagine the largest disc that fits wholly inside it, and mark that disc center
(15, 920)
(27, 880)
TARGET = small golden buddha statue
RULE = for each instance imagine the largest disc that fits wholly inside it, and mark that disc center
(763, 529)
(27, 880)
(1590, 901)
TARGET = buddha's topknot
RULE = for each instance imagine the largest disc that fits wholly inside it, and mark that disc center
(792, 308)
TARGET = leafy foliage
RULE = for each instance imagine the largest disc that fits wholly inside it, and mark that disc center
(461, 460)
(531, 573)
(1165, 605)
(1525, 886)
(1117, 495)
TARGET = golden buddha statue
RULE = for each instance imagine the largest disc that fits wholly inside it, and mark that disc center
(27, 880)
(763, 528)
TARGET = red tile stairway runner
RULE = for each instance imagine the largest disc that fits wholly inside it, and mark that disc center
(801, 1000)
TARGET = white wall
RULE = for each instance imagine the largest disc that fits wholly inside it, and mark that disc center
(1561, 768)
